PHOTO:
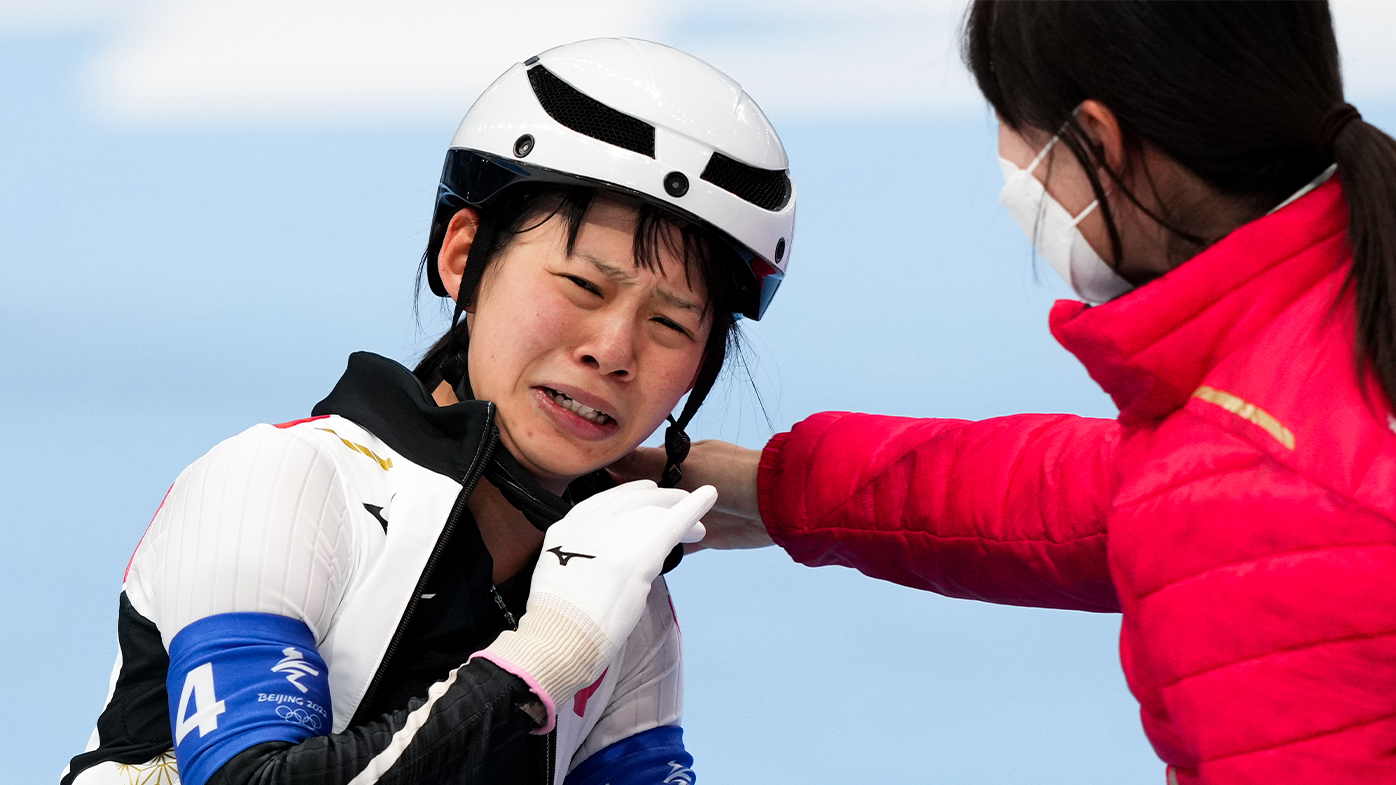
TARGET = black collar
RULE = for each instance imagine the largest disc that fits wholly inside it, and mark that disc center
(390, 402)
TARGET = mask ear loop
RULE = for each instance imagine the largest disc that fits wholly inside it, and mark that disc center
(1042, 154)
(1090, 208)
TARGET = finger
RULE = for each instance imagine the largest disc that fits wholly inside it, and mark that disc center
(656, 502)
(691, 509)
(695, 534)
(611, 495)
(643, 494)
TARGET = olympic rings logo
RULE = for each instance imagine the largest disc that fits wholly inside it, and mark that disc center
(298, 715)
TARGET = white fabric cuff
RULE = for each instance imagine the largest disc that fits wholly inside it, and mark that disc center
(559, 648)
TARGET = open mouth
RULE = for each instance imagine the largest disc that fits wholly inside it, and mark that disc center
(585, 412)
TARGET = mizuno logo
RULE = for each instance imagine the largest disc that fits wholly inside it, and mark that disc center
(377, 512)
(295, 667)
(563, 556)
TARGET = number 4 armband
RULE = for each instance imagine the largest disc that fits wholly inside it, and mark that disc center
(241, 679)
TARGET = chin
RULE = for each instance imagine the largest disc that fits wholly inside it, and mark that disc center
(563, 461)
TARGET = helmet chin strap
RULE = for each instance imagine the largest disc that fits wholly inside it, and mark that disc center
(516, 484)
(676, 441)
(676, 444)
(521, 489)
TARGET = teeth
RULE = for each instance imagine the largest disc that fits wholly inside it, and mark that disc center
(585, 412)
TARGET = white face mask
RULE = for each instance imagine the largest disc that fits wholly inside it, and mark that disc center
(1055, 234)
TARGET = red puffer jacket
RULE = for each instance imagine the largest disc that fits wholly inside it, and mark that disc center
(1240, 513)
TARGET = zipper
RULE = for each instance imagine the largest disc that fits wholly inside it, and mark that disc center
(551, 758)
(504, 608)
(458, 509)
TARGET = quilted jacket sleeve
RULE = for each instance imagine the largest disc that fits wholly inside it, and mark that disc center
(1009, 510)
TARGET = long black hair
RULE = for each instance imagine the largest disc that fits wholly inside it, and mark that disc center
(1242, 94)
(704, 258)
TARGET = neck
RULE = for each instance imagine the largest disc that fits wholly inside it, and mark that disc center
(1151, 246)
(444, 395)
(511, 540)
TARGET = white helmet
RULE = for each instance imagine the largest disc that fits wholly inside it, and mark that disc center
(641, 118)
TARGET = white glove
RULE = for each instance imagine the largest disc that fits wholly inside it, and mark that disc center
(591, 583)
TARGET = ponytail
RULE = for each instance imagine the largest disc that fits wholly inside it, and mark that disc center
(1366, 159)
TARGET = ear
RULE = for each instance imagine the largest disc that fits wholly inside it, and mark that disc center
(1103, 130)
(455, 249)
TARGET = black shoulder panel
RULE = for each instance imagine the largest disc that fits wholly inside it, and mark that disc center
(135, 725)
(387, 400)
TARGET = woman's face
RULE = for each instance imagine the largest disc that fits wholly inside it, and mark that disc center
(1159, 185)
(584, 355)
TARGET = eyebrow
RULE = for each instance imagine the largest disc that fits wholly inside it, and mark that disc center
(608, 270)
(677, 301)
(621, 276)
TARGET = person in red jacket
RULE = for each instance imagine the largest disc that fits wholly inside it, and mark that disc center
(1175, 163)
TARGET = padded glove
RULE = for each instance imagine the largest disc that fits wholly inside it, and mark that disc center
(590, 585)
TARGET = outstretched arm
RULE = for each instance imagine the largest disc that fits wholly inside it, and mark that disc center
(1009, 510)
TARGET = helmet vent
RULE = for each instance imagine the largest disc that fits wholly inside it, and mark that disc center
(586, 115)
(766, 188)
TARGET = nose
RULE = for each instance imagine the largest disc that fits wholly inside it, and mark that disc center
(609, 346)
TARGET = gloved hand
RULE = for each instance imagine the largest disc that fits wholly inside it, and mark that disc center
(591, 583)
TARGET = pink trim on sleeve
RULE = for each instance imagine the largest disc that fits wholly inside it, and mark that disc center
(532, 683)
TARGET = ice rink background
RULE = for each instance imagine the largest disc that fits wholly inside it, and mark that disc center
(205, 206)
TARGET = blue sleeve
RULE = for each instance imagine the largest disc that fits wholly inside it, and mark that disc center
(652, 757)
(240, 679)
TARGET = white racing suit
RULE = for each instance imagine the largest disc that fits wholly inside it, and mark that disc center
(303, 605)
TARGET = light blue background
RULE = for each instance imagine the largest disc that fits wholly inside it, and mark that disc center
(161, 290)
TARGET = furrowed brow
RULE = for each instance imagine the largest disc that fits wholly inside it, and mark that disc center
(606, 269)
(677, 301)
(616, 274)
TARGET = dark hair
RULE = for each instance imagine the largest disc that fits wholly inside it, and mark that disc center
(1236, 92)
(657, 232)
